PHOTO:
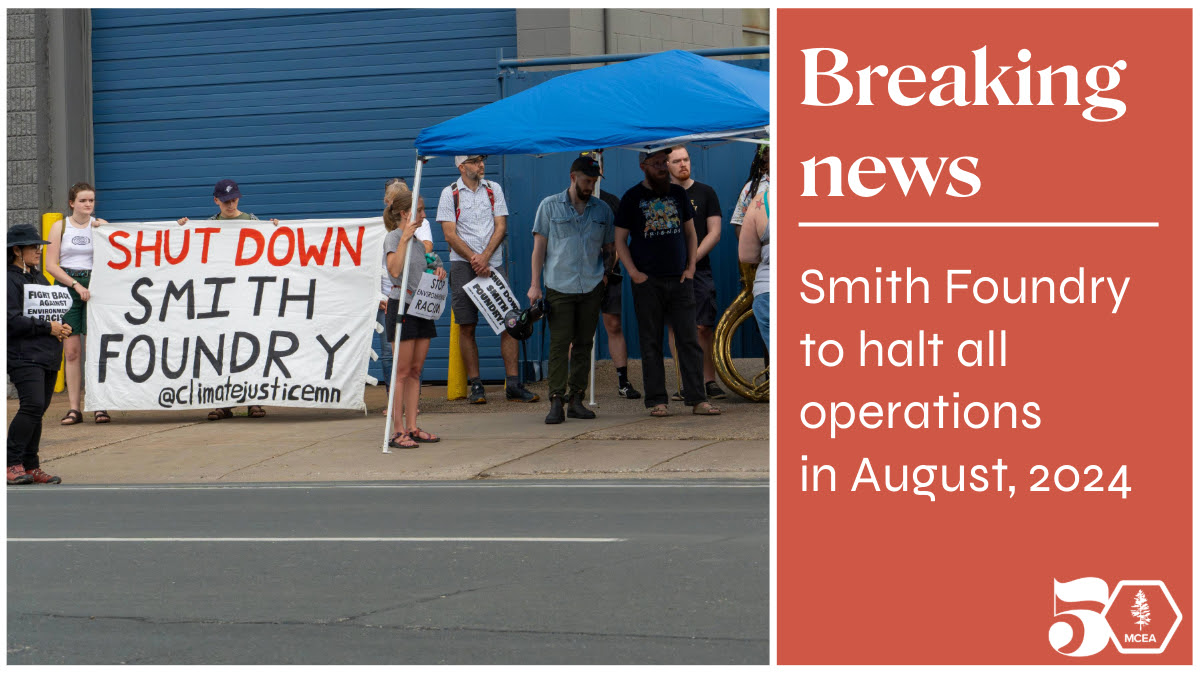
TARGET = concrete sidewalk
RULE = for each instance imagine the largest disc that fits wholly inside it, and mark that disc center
(497, 440)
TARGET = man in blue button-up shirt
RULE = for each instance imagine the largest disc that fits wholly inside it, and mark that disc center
(571, 233)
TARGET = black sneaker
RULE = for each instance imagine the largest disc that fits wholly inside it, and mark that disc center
(518, 393)
(714, 391)
(476, 396)
(628, 391)
(677, 395)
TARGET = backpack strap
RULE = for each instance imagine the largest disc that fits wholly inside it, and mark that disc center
(491, 197)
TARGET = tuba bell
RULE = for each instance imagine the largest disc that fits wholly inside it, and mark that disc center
(758, 387)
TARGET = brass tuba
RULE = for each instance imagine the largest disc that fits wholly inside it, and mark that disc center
(757, 389)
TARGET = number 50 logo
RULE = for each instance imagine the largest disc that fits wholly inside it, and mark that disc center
(1140, 616)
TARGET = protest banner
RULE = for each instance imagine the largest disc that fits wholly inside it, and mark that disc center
(48, 302)
(429, 301)
(493, 298)
(230, 312)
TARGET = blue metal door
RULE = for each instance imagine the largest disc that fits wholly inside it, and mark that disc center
(310, 111)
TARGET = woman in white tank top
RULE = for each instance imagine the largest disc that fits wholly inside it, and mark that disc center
(69, 261)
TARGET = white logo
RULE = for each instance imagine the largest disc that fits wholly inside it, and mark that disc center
(1085, 620)
(228, 188)
(1141, 610)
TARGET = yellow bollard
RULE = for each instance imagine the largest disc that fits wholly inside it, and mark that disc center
(456, 372)
(48, 220)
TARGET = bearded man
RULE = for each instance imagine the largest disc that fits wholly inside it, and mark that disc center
(656, 241)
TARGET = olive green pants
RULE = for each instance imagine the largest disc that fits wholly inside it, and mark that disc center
(573, 319)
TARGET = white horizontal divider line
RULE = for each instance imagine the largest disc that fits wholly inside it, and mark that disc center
(317, 539)
(983, 225)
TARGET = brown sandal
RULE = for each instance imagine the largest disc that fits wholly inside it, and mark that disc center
(660, 411)
(420, 435)
(101, 417)
(73, 416)
(705, 409)
(255, 411)
(220, 414)
(402, 440)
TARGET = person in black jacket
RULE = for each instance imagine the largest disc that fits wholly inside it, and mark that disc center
(34, 353)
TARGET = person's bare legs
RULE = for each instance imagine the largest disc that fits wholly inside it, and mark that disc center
(412, 385)
(73, 370)
(705, 334)
(616, 339)
(401, 390)
(469, 350)
(508, 352)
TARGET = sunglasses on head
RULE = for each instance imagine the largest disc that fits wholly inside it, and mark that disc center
(393, 181)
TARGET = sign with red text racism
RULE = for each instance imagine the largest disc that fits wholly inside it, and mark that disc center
(226, 313)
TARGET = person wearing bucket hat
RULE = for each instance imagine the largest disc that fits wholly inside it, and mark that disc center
(226, 196)
(35, 336)
(69, 261)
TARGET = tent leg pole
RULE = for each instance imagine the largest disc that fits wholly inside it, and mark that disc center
(592, 380)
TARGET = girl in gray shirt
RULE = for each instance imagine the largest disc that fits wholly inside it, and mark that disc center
(415, 333)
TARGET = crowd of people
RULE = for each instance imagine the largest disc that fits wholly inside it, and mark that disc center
(660, 233)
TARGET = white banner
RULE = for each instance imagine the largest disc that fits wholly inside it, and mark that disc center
(222, 313)
(48, 302)
(429, 301)
(493, 298)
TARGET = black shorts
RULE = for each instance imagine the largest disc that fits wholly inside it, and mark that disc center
(706, 298)
(412, 327)
(465, 311)
(612, 296)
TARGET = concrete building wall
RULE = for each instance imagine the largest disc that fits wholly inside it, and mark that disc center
(26, 57)
(587, 32)
(49, 110)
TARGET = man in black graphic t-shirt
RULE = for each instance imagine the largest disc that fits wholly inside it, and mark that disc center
(656, 242)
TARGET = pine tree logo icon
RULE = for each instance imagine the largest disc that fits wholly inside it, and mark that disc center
(1141, 609)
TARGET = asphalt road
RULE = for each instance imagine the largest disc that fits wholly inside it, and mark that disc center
(463, 573)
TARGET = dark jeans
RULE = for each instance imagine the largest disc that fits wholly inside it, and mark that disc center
(573, 319)
(657, 302)
(34, 386)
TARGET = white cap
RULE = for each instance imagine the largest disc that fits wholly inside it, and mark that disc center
(459, 159)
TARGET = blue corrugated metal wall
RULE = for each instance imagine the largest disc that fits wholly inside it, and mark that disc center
(528, 180)
(310, 111)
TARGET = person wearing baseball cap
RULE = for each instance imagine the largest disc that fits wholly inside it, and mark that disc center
(572, 231)
(34, 352)
(226, 196)
(474, 219)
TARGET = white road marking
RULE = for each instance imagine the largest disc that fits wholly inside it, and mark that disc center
(317, 539)
(266, 487)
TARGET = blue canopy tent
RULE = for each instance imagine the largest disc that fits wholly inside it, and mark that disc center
(628, 104)
(618, 105)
